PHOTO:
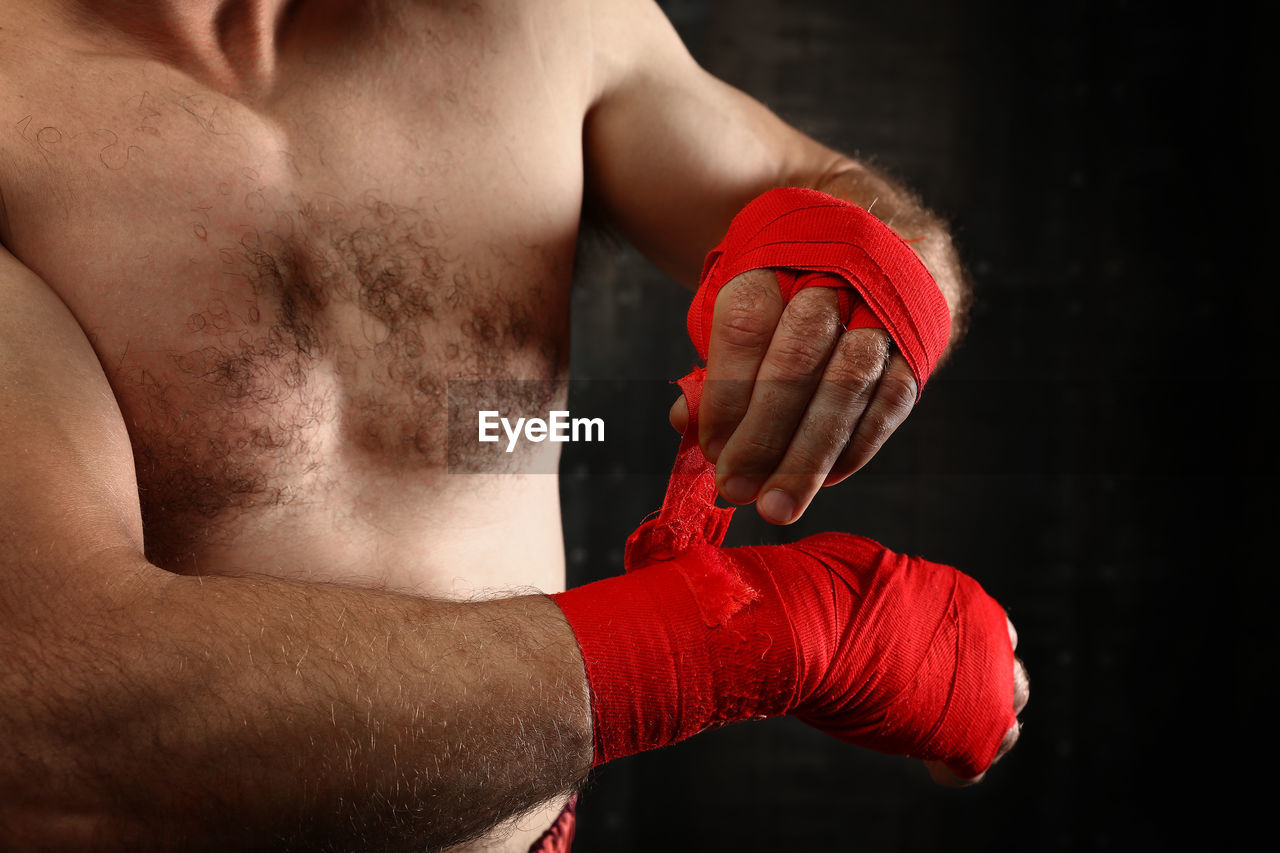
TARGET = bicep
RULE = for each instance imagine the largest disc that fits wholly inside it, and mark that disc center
(672, 152)
(67, 484)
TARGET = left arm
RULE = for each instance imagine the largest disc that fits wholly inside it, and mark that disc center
(793, 401)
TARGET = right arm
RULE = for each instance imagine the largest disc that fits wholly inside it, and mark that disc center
(140, 708)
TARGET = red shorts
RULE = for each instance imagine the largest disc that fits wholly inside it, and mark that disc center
(559, 836)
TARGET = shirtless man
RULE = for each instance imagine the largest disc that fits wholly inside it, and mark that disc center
(245, 247)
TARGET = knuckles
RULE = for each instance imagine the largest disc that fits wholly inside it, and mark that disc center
(743, 329)
(812, 313)
(858, 361)
(898, 396)
(806, 334)
(746, 310)
(796, 353)
(758, 447)
(873, 431)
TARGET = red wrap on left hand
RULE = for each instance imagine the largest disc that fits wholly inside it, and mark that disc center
(890, 652)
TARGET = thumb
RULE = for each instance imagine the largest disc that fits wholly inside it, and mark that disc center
(679, 414)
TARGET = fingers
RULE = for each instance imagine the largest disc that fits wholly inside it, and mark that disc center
(1021, 681)
(745, 316)
(945, 776)
(1021, 686)
(941, 774)
(840, 403)
(893, 399)
(792, 402)
(939, 771)
(787, 380)
(679, 414)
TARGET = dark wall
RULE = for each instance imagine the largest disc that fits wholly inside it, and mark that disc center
(1093, 454)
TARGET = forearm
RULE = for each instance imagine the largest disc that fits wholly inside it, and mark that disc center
(672, 154)
(248, 713)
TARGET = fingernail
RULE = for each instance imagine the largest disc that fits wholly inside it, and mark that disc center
(714, 447)
(740, 490)
(777, 506)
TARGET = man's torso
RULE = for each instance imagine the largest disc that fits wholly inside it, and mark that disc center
(283, 287)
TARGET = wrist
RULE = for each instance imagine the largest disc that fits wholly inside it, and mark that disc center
(925, 232)
(673, 649)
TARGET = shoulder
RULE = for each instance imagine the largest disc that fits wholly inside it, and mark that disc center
(633, 43)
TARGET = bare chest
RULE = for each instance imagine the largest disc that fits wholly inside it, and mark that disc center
(277, 286)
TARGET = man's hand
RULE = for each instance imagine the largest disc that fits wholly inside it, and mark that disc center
(938, 770)
(793, 401)
(877, 649)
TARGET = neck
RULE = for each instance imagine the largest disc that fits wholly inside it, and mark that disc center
(229, 43)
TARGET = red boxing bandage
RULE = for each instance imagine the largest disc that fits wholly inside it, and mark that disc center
(885, 651)
(889, 652)
(816, 240)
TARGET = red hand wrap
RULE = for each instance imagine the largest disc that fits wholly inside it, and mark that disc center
(885, 651)
(817, 240)
(889, 652)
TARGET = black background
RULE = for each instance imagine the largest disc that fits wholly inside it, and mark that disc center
(1094, 453)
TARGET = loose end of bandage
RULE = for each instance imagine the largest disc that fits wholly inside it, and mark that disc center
(718, 588)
